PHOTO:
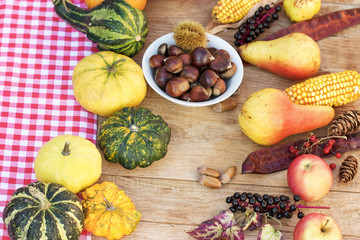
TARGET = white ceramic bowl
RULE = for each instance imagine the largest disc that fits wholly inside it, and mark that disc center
(213, 41)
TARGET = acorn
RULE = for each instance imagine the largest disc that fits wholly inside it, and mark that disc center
(189, 35)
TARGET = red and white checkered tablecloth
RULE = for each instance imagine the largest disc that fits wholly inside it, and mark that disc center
(38, 52)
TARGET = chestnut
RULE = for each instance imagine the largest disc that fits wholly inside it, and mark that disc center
(221, 62)
(209, 91)
(156, 60)
(229, 72)
(199, 94)
(219, 87)
(192, 85)
(186, 58)
(185, 96)
(212, 50)
(163, 49)
(200, 57)
(173, 64)
(174, 50)
(190, 72)
(208, 78)
(162, 77)
(177, 86)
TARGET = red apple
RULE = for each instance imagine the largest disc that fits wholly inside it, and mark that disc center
(317, 226)
(310, 177)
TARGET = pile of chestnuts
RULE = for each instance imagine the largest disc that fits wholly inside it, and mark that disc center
(196, 76)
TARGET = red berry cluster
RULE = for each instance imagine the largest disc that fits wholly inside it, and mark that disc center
(314, 142)
(328, 146)
(294, 150)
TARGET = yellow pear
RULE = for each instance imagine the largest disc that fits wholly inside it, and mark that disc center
(295, 56)
(300, 10)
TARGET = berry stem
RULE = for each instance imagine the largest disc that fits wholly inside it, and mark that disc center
(270, 12)
(302, 206)
(266, 215)
(250, 34)
(240, 218)
(315, 143)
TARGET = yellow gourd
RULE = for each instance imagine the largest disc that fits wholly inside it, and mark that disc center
(106, 82)
(71, 161)
(108, 211)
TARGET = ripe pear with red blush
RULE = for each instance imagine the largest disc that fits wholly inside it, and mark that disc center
(295, 56)
(268, 116)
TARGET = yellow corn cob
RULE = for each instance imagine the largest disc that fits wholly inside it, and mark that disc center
(335, 89)
(229, 11)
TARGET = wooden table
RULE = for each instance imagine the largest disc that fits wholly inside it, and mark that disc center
(167, 193)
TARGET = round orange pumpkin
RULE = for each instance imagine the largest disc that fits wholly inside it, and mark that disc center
(106, 82)
(139, 4)
(109, 212)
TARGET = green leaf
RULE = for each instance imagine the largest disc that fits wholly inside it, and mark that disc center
(269, 233)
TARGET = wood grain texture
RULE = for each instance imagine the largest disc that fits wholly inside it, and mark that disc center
(167, 193)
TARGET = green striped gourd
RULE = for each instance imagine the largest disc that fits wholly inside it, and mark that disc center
(113, 25)
(41, 211)
(134, 137)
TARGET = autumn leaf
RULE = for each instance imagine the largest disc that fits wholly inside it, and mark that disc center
(234, 233)
(208, 230)
(253, 221)
(226, 218)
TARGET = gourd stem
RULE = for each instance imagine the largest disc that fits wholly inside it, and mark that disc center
(109, 205)
(66, 150)
(44, 202)
(111, 68)
(134, 128)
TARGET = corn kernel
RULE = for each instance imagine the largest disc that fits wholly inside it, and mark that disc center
(335, 89)
(229, 11)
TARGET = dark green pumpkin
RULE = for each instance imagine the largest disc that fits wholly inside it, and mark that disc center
(44, 211)
(134, 137)
(113, 24)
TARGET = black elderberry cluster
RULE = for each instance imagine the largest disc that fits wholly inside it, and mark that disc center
(275, 206)
(255, 25)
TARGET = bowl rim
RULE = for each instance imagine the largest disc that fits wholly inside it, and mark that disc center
(147, 71)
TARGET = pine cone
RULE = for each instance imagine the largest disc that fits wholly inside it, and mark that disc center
(345, 123)
(348, 169)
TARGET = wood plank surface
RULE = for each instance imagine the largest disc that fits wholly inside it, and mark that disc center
(167, 193)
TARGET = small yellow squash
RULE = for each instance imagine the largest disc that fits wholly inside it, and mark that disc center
(71, 161)
(108, 211)
(106, 82)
